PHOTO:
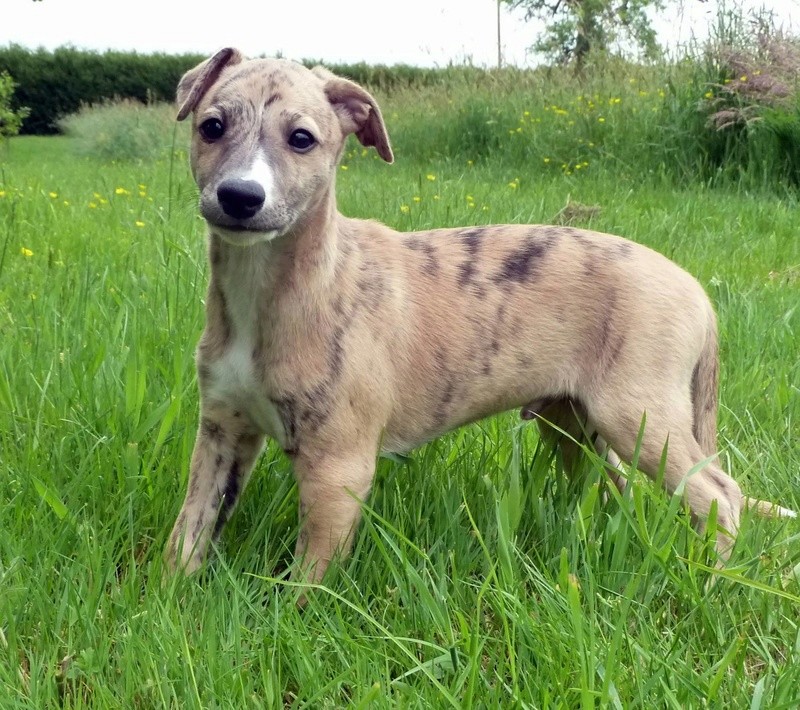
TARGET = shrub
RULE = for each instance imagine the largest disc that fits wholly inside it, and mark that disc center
(751, 105)
(10, 118)
(123, 130)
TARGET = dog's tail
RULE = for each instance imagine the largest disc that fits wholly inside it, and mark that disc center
(705, 388)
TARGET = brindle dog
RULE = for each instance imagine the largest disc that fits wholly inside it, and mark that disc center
(338, 337)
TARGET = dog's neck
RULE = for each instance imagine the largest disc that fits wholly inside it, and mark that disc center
(297, 268)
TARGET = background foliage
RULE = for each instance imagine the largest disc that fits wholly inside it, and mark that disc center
(729, 110)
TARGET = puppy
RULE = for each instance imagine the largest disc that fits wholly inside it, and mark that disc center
(339, 337)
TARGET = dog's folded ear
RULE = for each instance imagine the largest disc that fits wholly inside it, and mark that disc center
(195, 82)
(358, 112)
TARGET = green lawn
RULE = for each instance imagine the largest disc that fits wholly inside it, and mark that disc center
(481, 577)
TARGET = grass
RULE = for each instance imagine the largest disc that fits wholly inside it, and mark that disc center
(481, 577)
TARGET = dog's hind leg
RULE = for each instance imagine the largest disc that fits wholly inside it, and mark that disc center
(614, 462)
(669, 422)
(222, 461)
(563, 423)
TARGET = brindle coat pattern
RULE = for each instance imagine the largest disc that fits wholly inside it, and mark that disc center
(337, 336)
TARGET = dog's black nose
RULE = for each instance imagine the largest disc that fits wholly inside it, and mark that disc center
(240, 199)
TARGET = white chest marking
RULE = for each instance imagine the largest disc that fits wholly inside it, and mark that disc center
(233, 380)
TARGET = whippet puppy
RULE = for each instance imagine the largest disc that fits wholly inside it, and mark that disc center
(340, 337)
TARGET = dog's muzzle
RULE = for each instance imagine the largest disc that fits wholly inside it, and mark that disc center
(240, 199)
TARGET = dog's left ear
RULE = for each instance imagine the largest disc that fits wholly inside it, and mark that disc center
(358, 112)
(195, 82)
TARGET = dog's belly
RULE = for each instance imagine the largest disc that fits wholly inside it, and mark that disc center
(233, 383)
(406, 431)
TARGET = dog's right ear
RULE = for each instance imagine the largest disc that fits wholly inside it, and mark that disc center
(195, 82)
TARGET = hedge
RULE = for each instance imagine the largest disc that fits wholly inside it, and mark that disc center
(55, 84)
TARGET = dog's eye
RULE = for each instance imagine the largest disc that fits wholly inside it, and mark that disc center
(301, 141)
(212, 129)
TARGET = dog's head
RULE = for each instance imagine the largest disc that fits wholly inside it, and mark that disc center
(267, 135)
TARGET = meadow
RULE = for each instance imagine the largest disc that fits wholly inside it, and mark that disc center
(481, 576)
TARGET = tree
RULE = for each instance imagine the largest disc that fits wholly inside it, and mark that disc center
(10, 119)
(574, 28)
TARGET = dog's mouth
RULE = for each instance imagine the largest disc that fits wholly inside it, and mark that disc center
(249, 230)
(242, 234)
(242, 228)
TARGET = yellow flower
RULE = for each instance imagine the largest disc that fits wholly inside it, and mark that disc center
(93, 205)
(416, 198)
(526, 113)
(405, 209)
(469, 198)
(743, 77)
(470, 163)
(513, 185)
(54, 195)
(2, 193)
(25, 252)
(121, 191)
(436, 197)
(96, 195)
(103, 201)
(343, 167)
(485, 208)
(142, 187)
(142, 193)
(430, 177)
(708, 94)
(138, 223)
(66, 203)
(547, 160)
(601, 120)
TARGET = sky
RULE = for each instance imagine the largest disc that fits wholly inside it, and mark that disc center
(418, 32)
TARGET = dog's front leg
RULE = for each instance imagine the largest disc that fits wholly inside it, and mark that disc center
(332, 488)
(223, 457)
